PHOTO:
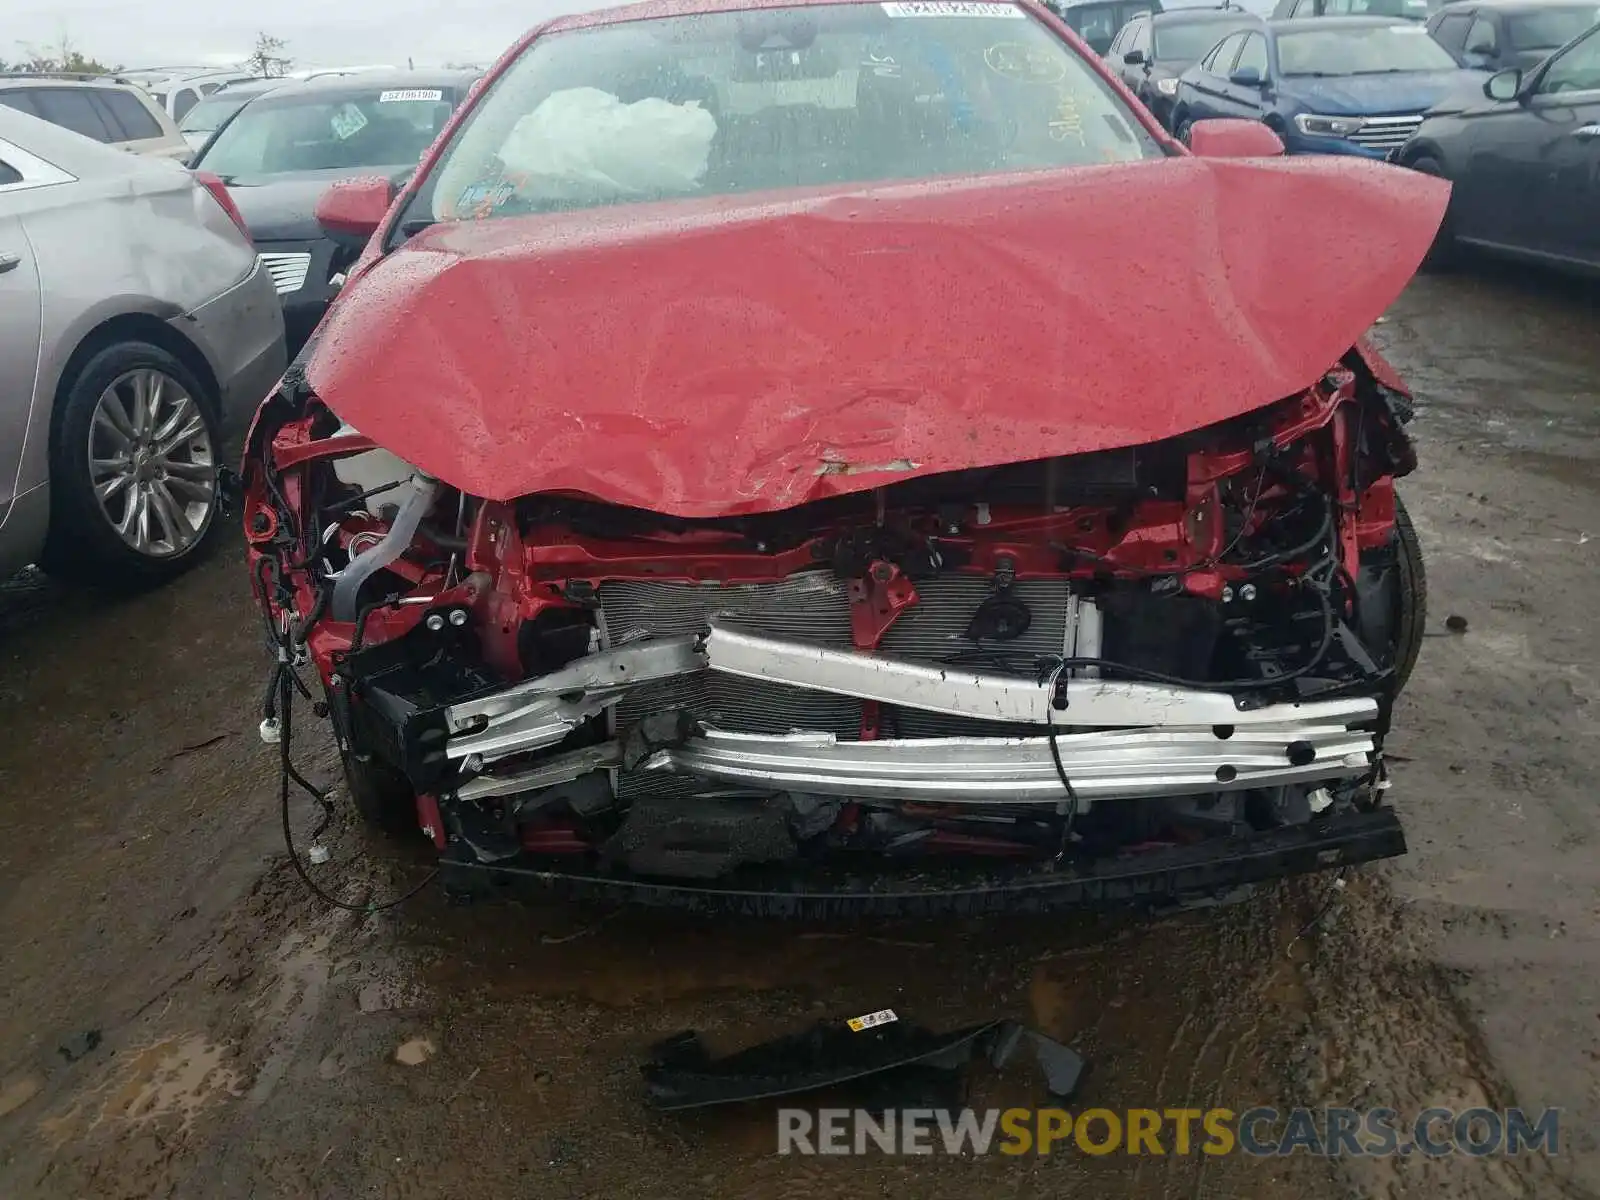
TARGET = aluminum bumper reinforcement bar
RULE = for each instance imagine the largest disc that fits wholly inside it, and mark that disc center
(1123, 765)
(539, 713)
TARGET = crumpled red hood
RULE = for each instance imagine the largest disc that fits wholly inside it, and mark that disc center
(733, 355)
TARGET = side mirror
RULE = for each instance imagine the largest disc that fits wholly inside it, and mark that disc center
(1246, 77)
(1503, 86)
(350, 212)
(1230, 137)
(1133, 57)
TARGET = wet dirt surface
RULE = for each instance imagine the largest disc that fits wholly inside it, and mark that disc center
(178, 1017)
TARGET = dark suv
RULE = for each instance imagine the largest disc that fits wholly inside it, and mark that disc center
(1097, 21)
(1151, 51)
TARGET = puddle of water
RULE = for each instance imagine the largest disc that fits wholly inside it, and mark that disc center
(177, 1077)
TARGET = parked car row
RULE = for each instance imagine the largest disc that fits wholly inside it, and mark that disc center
(1522, 145)
(159, 297)
(137, 331)
(1524, 161)
(1325, 85)
(114, 114)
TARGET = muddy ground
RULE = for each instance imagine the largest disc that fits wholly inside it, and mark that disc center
(178, 1017)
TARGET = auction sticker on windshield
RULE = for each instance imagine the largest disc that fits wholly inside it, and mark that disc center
(402, 94)
(950, 8)
(347, 121)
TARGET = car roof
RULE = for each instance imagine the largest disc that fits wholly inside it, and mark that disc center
(248, 87)
(1303, 24)
(1512, 6)
(58, 81)
(366, 81)
(1199, 16)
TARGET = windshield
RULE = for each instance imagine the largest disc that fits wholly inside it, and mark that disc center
(209, 114)
(1363, 50)
(1548, 28)
(342, 131)
(775, 98)
(1097, 24)
(1186, 42)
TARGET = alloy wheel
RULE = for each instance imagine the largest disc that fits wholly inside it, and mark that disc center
(151, 463)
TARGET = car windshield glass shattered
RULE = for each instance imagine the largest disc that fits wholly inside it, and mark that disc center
(348, 130)
(1545, 29)
(776, 98)
(1361, 50)
(1187, 41)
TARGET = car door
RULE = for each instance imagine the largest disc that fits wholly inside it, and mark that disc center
(1534, 169)
(1114, 55)
(1250, 99)
(1137, 43)
(20, 172)
(1568, 98)
(1211, 86)
(1449, 29)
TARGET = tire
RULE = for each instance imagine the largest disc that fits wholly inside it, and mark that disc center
(1444, 251)
(1412, 596)
(381, 796)
(136, 422)
(1181, 125)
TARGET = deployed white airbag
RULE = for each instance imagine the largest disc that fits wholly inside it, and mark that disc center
(581, 141)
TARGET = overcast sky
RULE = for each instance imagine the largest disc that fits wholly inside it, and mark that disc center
(136, 33)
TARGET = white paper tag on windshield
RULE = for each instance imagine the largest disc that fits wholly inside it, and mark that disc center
(872, 1020)
(949, 8)
(410, 94)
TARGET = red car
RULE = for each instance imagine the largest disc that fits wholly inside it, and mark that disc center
(842, 456)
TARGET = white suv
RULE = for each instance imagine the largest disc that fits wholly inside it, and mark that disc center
(117, 114)
(178, 89)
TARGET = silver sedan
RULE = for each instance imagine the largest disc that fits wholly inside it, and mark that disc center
(137, 334)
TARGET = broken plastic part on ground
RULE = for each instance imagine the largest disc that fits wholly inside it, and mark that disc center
(901, 1063)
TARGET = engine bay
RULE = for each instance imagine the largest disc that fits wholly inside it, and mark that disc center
(1063, 660)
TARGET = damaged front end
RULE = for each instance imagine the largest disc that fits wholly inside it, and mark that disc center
(1147, 674)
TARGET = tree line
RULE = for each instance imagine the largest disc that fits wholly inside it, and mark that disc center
(64, 58)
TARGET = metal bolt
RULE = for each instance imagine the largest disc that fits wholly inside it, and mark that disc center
(458, 617)
(435, 622)
(883, 572)
(1227, 594)
(1247, 593)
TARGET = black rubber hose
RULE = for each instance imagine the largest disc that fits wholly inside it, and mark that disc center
(288, 773)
